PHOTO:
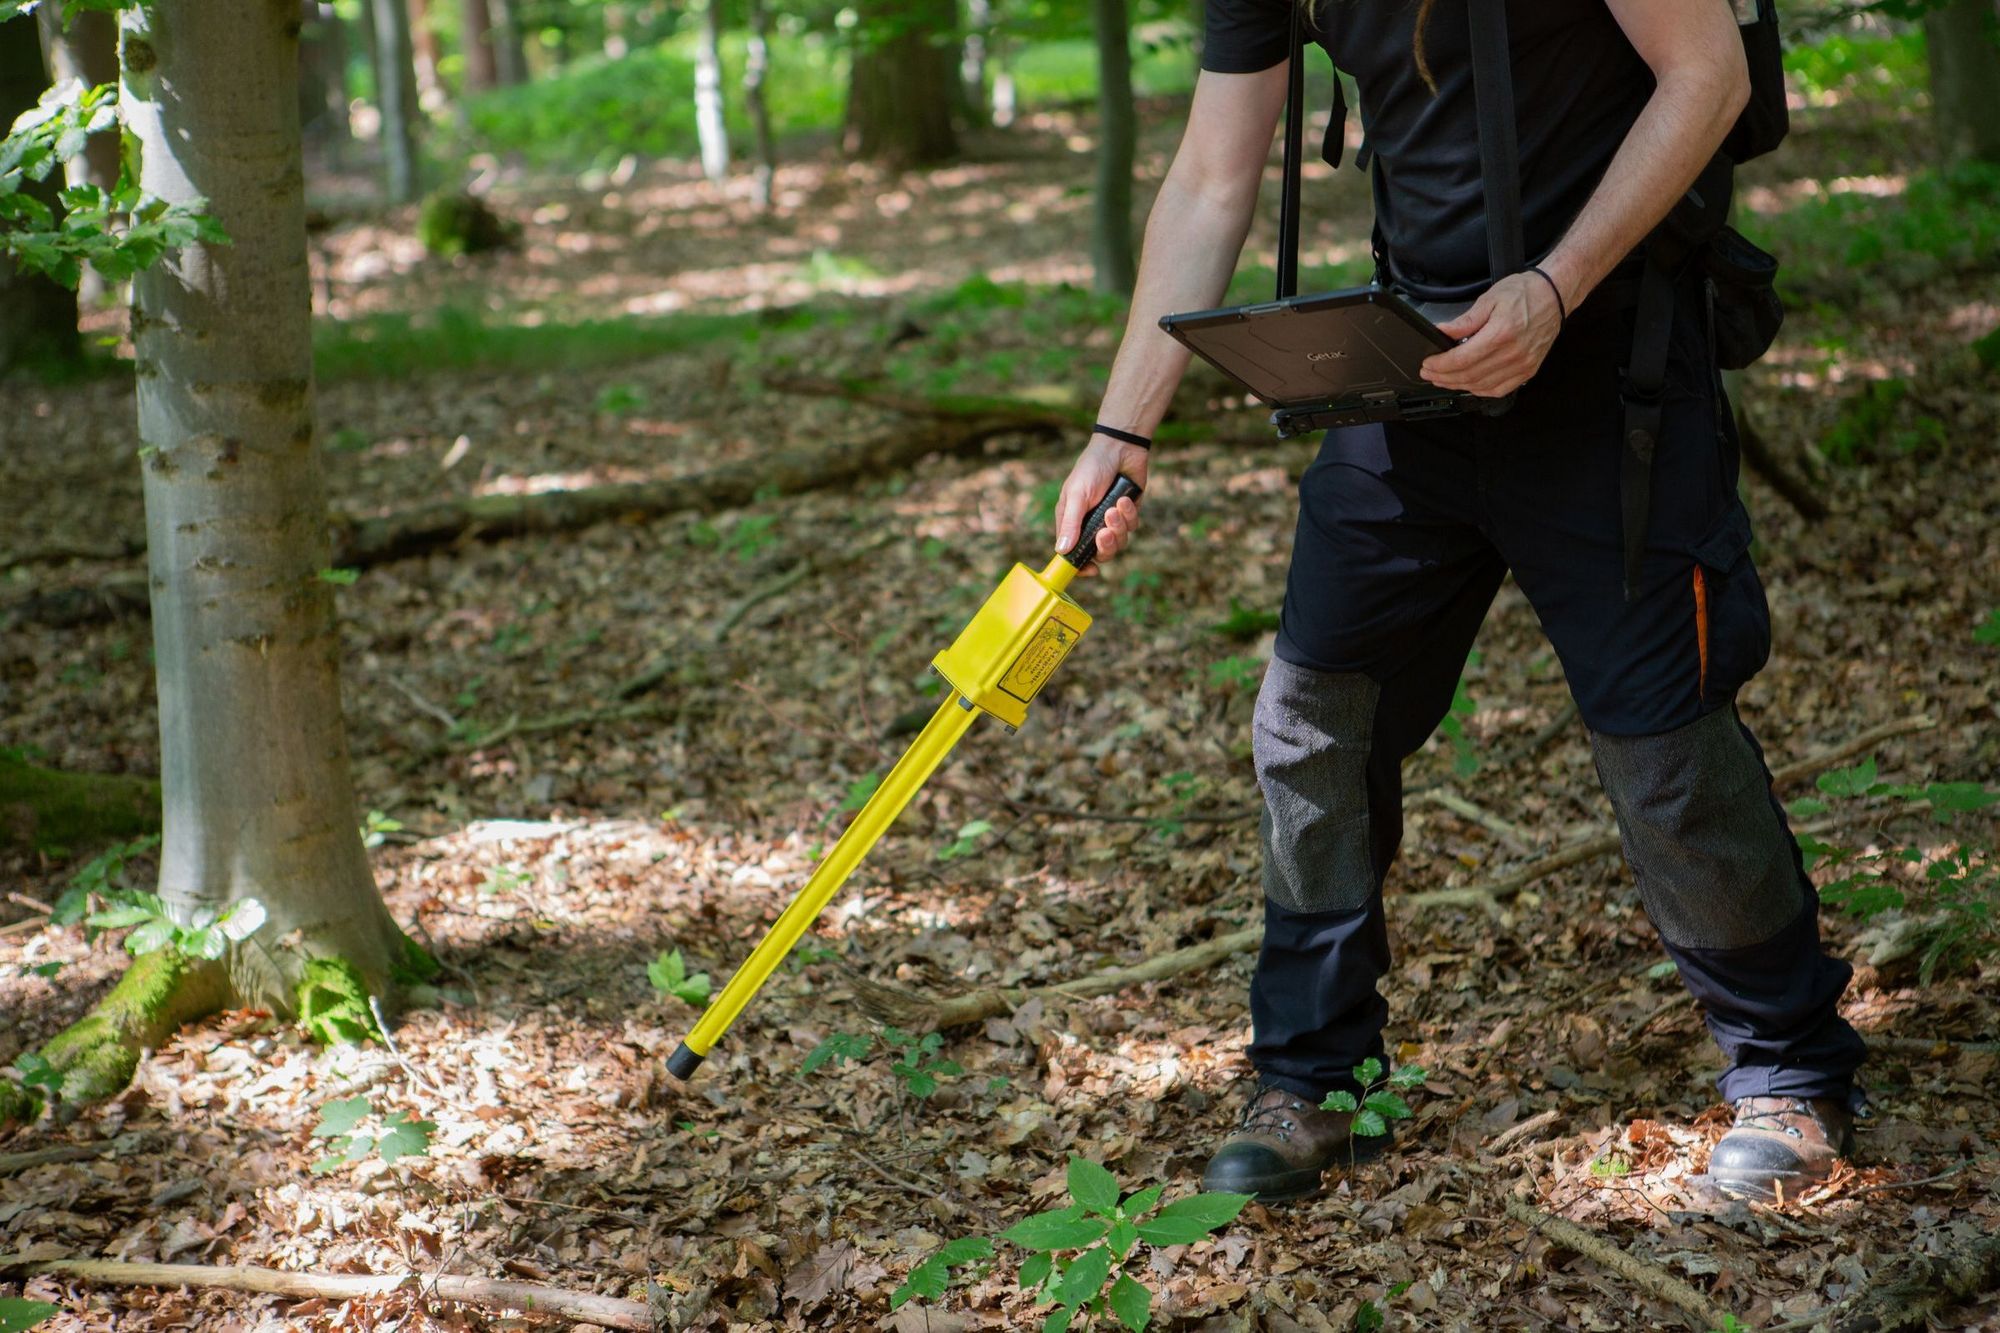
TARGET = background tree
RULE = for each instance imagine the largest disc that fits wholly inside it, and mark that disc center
(709, 127)
(395, 96)
(900, 93)
(482, 68)
(37, 314)
(1963, 38)
(756, 69)
(85, 48)
(1117, 139)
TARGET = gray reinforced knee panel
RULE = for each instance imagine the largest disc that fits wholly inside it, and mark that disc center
(1713, 862)
(1310, 740)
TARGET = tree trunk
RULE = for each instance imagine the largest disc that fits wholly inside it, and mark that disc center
(510, 54)
(425, 53)
(756, 68)
(1117, 135)
(37, 313)
(256, 794)
(395, 96)
(972, 62)
(322, 78)
(709, 129)
(1963, 38)
(900, 96)
(482, 71)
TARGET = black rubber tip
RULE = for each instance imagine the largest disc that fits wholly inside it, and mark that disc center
(683, 1062)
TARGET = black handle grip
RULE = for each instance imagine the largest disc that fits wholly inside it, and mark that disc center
(1085, 549)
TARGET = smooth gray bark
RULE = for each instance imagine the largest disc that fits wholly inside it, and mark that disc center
(1963, 38)
(1117, 138)
(708, 126)
(256, 793)
(395, 96)
(756, 70)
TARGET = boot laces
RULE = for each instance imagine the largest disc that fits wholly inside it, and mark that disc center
(1269, 1114)
(1777, 1118)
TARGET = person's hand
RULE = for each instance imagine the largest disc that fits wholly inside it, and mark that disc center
(1096, 468)
(1507, 332)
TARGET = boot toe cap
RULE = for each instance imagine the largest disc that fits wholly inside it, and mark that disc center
(1744, 1162)
(1250, 1168)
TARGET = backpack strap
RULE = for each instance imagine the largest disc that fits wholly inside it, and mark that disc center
(1288, 198)
(1499, 152)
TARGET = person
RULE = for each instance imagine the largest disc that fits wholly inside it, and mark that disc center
(1406, 529)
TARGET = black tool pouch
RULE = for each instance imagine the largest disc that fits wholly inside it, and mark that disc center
(1764, 120)
(1743, 298)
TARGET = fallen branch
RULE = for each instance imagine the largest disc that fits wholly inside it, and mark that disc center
(914, 1011)
(14, 1163)
(1647, 1276)
(1764, 461)
(1516, 837)
(1928, 1045)
(488, 1293)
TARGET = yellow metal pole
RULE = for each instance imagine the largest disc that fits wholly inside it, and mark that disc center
(1059, 571)
(942, 732)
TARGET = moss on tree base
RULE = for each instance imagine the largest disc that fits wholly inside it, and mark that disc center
(98, 1054)
(333, 1003)
(18, 1106)
(48, 810)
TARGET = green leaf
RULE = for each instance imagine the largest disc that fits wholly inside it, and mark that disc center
(207, 942)
(1122, 1238)
(1806, 807)
(1141, 1201)
(1132, 1302)
(117, 918)
(1407, 1077)
(1058, 1321)
(154, 935)
(1369, 1124)
(1388, 1106)
(1339, 1100)
(1035, 1269)
(1085, 1277)
(341, 577)
(837, 1047)
(18, 1315)
(36, 1071)
(1185, 1221)
(1368, 1317)
(405, 1137)
(1849, 781)
(1368, 1071)
(341, 1116)
(332, 1162)
(1959, 796)
(667, 971)
(242, 920)
(1062, 1229)
(1661, 971)
(1989, 633)
(930, 1278)
(1092, 1186)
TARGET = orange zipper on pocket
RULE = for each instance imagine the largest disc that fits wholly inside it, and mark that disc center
(1701, 628)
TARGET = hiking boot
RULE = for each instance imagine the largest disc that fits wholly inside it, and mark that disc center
(1781, 1143)
(1283, 1145)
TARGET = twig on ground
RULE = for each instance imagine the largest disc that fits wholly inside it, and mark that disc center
(1513, 835)
(1647, 1276)
(16, 1162)
(1506, 759)
(1933, 1285)
(423, 705)
(1939, 1178)
(489, 1293)
(1513, 1134)
(382, 1028)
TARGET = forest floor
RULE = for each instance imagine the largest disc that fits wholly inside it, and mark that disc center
(549, 857)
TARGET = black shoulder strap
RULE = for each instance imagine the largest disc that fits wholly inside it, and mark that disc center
(1499, 154)
(1288, 199)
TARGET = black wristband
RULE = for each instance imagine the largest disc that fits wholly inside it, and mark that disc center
(1562, 311)
(1125, 435)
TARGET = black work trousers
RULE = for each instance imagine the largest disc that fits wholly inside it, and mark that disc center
(1405, 532)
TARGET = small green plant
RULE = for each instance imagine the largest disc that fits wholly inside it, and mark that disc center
(208, 933)
(1380, 1100)
(619, 400)
(858, 792)
(1234, 673)
(342, 578)
(1465, 759)
(1370, 1317)
(1244, 622)
(1042, 505)
(38, 1073)
(1957, 890)
(967, 841)
(1137, 598)
(669, 976)
(1989, 633)
(376, 828)
(18, 1315)
(392, 1136)
(913, 1061)
(452, 222)
(504, 879)
(102, 876)
(1078, 1255)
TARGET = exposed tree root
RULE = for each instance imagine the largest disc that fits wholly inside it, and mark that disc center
(160, 991)
(916, 1012)
(1796, 491)
(46, 808)
(1648, 1277)
(489, 1293)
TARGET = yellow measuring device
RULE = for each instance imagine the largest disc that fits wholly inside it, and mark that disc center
(1003, 656)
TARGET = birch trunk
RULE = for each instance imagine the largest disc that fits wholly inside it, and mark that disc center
(708, 126)
(256, 794)
(395, 96)
(756, 69)
(86, 49)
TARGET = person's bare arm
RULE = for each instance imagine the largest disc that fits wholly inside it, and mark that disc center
(1701, 84)
(1193, 237)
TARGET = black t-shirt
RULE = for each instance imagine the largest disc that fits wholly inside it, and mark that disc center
(1578, 86)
